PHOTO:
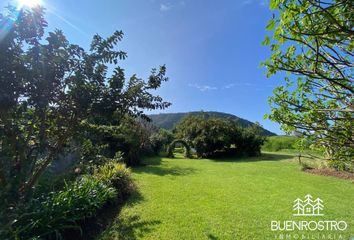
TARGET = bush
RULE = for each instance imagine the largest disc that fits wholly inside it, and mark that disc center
(342, 165)
(160, 141)
(49, 216)
(248, 142)
(130, 137)
(117, 175)
(278, 143)
(212, 136)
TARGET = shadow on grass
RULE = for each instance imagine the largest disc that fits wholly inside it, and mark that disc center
(151, 161)
(163, 171)
(212, 237)
(127, 227)
(131, 228)
(153, 165)
(157, 160)
(263, 157)
(104, 220)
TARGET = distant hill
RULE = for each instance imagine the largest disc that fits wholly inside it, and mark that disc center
(169, 120)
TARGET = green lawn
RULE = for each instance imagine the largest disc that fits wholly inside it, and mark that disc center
(225, 199)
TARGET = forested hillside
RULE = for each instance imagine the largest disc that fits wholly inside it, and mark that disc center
(169, 120)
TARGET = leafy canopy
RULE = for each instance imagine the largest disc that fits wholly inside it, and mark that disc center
(312, 42)
(49, 87)
(210, 135)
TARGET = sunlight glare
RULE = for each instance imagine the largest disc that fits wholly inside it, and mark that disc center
(29, 3)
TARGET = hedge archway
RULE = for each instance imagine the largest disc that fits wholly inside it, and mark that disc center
(171, 147)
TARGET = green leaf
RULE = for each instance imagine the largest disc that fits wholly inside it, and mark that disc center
(271, 25)
(273, 4)
(266, 41)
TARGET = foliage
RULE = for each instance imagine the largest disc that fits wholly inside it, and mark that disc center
(50, 87)
(206, 134)
(117, 175)
(342, 165)
(277, 143)
(161, 140)
(130, 137)
(187, 148)
(170, 120)
(313, 41)
(209, 135)
(249, 141)
(52, 214)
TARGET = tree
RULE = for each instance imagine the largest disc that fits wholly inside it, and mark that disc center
(249, 140)
(49, 87)
(161, 140)
(313, 42)
(205, 133)
(130, 137)
(212, 136)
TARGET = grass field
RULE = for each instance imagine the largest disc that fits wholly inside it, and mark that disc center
(226, 199)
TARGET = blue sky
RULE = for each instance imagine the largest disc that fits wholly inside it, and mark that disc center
(212, 49)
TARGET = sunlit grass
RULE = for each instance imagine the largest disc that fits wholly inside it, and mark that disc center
(224, 199)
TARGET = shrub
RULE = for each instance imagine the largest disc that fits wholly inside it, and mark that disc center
(248, 141)
(50, 215)
(130, 137)
(342, 165)
(160, 141)
(277, 143)
(207, 134)
(211, 136)
(117, 175)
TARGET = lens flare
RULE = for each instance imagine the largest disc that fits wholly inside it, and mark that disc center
(29, 3)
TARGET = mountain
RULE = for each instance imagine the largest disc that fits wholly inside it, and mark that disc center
(169, 120)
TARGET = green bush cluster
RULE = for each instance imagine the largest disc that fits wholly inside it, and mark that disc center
(342, 165)
(277, 143)
(130, 137)
(161, 140)
(116, 175)
(212, 136)
(50, 216)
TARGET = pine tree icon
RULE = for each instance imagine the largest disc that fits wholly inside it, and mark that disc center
(317, 207)
(298, 206)
(308, 206)
(308, 199)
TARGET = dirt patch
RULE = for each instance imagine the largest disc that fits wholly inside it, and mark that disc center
(331, 172)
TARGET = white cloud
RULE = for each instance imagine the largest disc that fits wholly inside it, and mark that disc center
(203, 88)
(165, 7)
(231, 85)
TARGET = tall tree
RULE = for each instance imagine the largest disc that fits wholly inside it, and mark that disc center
(49, 87)
(313, 43)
